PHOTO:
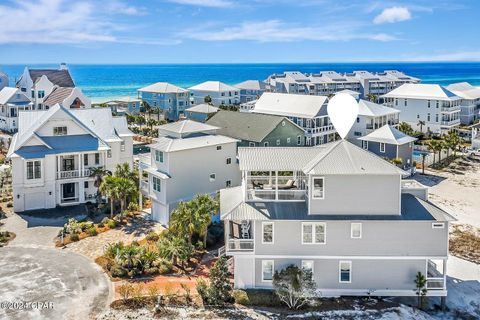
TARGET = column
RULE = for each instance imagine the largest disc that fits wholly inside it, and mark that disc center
(140, 197)
(79, 165)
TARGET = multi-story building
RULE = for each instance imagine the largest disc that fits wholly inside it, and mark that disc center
(54, 150)
(125, 105)
(470, 105)
(38, 84)
(339, 211)
(256, 130)
(12, 100)
(251, 90)
(308, 112)
(168, 98)
(219, 92)
(326, 83)
(188, 158)
(434, 105)
(3, 80)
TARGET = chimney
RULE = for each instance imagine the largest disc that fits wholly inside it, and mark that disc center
(63, 66)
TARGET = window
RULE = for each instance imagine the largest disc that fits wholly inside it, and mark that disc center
(365, 145)
(307, 265)
(345, 271)
(267, 232)
(219, 147)
(438, 225)
(356, 230)
(156, 184)
(299, 140)
(313, 233)
(41, 94)
(382, 147)
(228, 183)
(85, 184)
(396, 101)
(59, 131)
(109, 153)
(428, 117)
(229, 160)
(278, 142)
(428, 103)
(405, 102)
(318, 191)
(358, 120)
(267, 270)
(436, 117)
(283, 123)
(85, 159)
(251, 144)
(97, 158)
(265, 144)
(34, 169)
(357, 133)
(122, 146)
(159, 156)
(288, 140)
(436, 105)
(212, 177)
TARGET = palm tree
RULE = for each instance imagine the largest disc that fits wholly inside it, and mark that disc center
(139, 120)
(151, 123)
(207, 99)
(203, 207)
(98, 173)
(183, 220)
(405, 128)
(432, 146)
(421, 124)
(125, 189)
(172, 248)
(110, 189)
(423, 154)
(372, 98)
(453, 141)
(147, 108)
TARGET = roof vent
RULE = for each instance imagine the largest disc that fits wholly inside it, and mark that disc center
(63, 66)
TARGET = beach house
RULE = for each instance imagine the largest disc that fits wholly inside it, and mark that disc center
(54, 151)
(339, 211)
(200, 112)
(307, 111)
(426, 107)
(257, 130)
(470, 104)
(167, 98)
(12, 100)
(251, 90)
(72, 98)
(219, 93)
(188, 158)
(125, 105)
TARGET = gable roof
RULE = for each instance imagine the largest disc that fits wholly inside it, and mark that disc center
(465, 90)
(291, 105)
(58, 95)
(215, 86)
(163, 87)
(60, 77)
(7, 93)
(203, 108)
(367, 108)
(252, 85)
(247, 126)
(421, 91)
(168, 144)
(186, 127)
(339, 157)
(121, 126)
(388, 134)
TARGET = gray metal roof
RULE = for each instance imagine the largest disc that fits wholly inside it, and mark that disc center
(233, 208)
(185, 127)
(168, 144)
(291, 105)
(203, 108)
(388, 134)
(248, 126)
(61, 77)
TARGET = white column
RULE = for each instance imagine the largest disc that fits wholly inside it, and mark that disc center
(140, 198)
(59, 168)
(79, 165)
(276, 185)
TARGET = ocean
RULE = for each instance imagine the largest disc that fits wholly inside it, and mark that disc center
(103, 82)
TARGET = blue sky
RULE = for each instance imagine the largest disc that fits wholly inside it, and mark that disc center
(231, 31)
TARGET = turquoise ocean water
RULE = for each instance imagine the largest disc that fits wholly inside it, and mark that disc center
(103, 82)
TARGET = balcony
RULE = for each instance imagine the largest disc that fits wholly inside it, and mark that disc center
(239, 236)
(450, 123)
(436, 275)
(144, 187)
(72, 174)
(451, 109)
(415, 188)
(271, 187)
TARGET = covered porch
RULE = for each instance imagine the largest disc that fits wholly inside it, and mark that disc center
(275, 185)
(239, 236)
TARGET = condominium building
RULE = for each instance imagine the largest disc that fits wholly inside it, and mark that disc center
(470, 104)
(169, 99)
(54, 151)
(219, 93)
(308, 112)
(339, 211)
(188, 158)
(251, 90)
(426, 107)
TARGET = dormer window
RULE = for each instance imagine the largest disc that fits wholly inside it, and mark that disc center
(60, 131)
(158, 156)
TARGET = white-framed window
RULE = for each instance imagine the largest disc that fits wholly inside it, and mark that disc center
(438, 225)
(228, 183)
(156, 183)
(251, 144)
(219, 147)
(97, 158)
(314, 233)
(345, 271)
(356, 230)
(318, 191)
(34, 169)
(85, 184)
(267, 232)
(267, 270)
(283, 123)
(85, 159)
(308, 265)
(382, 147)
(159, 156)
(365, 145)
(299, 140)
(229, 160)
(122, 146)
(212, 177)
(59, 131)
(265, 144)
(41, 94)
(278, 142)
(288, 140)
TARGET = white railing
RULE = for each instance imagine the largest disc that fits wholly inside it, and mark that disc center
(450, 122)
(221, 251)
(435, 283)
(144, 186)
(240, 245)
(71, 174)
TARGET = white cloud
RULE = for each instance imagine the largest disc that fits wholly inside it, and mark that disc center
(118, 7)
(393, 14)
(277, 31)
(205, 3)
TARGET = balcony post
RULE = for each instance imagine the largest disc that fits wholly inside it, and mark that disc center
(140, 196)
(59, 168)
(276, 185)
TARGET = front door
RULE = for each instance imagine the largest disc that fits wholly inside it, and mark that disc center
(68, 191)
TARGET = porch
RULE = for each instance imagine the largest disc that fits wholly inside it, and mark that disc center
(276, 186)
(436, 274)
(78, 165)
(239, 236)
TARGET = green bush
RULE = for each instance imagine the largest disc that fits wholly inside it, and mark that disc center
(165, 268)
(111, 224)
(117, 271)
(133, 206)
(262, 297)
(101, 225)
(91, 231)
(241, 297)
(152, 236)
(74, 237)
(105, 220)
(113, 249)
(85, 225)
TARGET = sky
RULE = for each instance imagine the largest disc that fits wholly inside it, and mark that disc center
(237, 31)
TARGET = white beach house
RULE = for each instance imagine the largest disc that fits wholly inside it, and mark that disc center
(436, 106)
(219, 92)
(470, 105)
(188, 158)
(339, 211)
(54, 150)
(12, 101)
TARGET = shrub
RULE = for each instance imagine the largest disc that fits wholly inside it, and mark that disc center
(113, 249)
(220, 290)
(294, 286)
(165, 268)
(105, 220)
(74, 237)
(241, 297)
(125, 291)
(101, 225)
(91, 231)
(132, 206)
(111, 224)
(9, 204)
(85, 225)
(152, 236)
(259, 297)
(202, 289)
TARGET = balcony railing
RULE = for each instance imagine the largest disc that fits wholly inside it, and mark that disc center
(144, 186)
(273, 188)
(240, 245)
(450, 122)
(435, 283)
(72, 174)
